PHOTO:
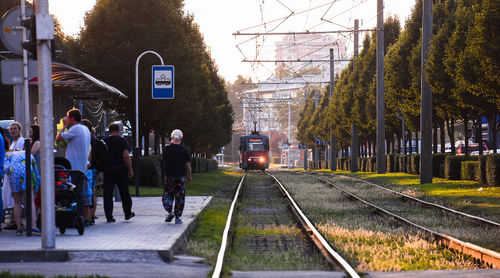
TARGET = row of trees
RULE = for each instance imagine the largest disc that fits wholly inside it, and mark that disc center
(463, 71)
(115, 33)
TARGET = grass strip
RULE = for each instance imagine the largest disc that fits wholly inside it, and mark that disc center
(433, 218)
(370, 242)
(466, 196)
(205, 240)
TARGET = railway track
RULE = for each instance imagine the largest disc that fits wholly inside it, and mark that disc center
(261, 204)
(443, 224)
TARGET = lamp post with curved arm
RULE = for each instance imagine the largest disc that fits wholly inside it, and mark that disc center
(137, 150)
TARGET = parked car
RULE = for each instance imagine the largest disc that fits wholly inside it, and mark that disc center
(473, 149)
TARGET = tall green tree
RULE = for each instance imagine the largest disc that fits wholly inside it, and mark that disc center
(115, 33)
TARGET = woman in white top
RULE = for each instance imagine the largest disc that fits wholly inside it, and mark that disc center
(7, 198)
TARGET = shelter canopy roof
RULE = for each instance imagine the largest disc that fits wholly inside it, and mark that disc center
(75, 83)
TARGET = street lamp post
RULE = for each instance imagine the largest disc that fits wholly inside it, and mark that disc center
(137, 149)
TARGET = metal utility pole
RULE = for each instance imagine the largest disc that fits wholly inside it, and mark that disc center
(333, 141)
(426, 98)
(354, 127)
(316, 153)
(44, 35)
(137, 151)
(289, 133)
(27, 141)
(381, 159)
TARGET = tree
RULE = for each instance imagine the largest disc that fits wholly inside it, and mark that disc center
(115, 33)
(477, 59)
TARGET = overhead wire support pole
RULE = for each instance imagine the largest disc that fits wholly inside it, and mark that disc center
(45, 33)
(426, 98)
(333, 141)
(354, 126)
(137, 151)
(381, 159)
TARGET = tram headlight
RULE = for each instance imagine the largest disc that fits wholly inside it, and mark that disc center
(262, 159)
(249, 159)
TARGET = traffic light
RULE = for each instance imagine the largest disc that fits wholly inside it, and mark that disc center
(30, 45)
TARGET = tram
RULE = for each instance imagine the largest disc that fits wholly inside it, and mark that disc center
(254, 152)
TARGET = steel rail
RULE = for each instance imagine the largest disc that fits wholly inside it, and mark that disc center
(429, 204)
(315, 235)
(222, 251)
(490, 257)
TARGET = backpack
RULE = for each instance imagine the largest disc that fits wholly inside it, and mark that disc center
(100, 152)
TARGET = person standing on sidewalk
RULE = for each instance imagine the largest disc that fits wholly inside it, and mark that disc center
(7, 197)
(117, 171)
(177, 163)
(78, 137)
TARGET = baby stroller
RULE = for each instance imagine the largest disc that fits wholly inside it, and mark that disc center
(69, 209)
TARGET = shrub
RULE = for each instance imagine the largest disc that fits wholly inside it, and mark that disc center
(403, 159)
(150, 170)
(481, 170)
(452, 165)
(437, 164)
(469, 170)
(391, 165)
(415, 164)
(372, 164)
(396, 163)
(493, 170)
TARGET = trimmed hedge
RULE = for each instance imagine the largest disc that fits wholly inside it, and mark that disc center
(414, 164)
(493, 170)
(391, 163)
(403, 158)
(150, 170)
(438, 164)
(481, 170)
(453, 166)
(372, 164)
(469, 170)
(200, 164)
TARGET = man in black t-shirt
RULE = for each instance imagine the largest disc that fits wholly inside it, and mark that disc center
(117, 171)
(177, 163)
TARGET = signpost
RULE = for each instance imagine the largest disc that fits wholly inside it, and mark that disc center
(163, 82)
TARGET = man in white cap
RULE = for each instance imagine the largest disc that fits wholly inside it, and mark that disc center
(177, 167)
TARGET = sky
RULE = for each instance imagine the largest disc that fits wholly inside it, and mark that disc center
(219, 19)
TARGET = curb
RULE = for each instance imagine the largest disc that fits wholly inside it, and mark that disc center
(34, 256)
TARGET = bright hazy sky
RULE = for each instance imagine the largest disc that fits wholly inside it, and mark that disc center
(218, 19)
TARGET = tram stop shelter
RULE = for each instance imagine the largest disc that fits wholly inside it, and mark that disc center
(68, 84)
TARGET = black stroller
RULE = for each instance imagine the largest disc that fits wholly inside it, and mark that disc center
(69, 208)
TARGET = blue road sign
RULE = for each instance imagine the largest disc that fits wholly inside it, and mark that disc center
(163, 82)
(318, 141)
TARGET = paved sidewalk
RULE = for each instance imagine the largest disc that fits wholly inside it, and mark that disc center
(142, 238)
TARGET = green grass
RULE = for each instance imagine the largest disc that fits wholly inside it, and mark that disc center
(205, 240)
(465, 196)
(202, 184)
(370, 242)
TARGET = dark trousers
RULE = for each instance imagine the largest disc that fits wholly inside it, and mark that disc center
(116, 175)
(174, 190)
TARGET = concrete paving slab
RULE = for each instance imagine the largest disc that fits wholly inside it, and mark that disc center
(146, 234)
(180, 267)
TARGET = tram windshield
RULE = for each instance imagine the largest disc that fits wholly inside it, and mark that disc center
(256, 146)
